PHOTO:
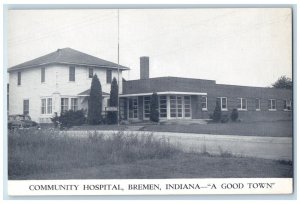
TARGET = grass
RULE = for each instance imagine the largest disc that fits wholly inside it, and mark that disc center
(271, 129)
(45, 154)
(34, 151)
(262, 128)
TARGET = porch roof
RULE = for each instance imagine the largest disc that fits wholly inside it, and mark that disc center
(87, 93)
(165, 93)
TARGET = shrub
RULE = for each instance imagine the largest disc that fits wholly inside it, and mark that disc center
(72, 118)
(154, 114)
(234, 115)
(55, 120)
(95, 102)
(217, 115)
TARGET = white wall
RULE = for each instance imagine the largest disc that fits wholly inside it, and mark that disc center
(56, 82)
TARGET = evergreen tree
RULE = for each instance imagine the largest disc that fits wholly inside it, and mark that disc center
(234, 115)
(95, 102)
(217, 115)
(112, 116)
(154, 114)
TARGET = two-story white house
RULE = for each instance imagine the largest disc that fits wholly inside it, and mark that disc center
(58, 81)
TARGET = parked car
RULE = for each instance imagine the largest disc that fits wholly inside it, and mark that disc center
(21, 121)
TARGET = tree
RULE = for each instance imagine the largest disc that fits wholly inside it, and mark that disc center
(112, 116)
(217, 115)
(95, 102)
(154, 114)
(283, 82)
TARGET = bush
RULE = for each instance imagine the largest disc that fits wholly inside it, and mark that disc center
(154, 114)
(217, 115)
(234, 115)
(70, 118)
(55, 120)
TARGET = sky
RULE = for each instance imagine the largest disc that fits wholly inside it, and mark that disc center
(241, 46)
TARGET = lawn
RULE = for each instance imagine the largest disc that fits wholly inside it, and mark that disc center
(271, 129)
(181, 165)
(45, 154)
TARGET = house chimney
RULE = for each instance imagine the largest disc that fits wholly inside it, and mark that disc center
(144, 67)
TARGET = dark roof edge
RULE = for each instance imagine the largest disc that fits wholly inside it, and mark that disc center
(14, 68)
(244, 86)
(171, 77)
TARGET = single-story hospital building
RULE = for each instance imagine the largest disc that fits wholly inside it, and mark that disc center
(61, 80)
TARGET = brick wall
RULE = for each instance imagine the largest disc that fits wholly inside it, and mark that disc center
(250, 94)
(213, 91)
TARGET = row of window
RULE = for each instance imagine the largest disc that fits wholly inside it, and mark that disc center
(71, 75)
(65, 104)
(242, 104)
(46, 105)
(180, 106)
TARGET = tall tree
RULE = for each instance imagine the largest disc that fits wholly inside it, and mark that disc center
(283, 82)
(112, 116)
(95, 102)
(154, 114)
(217, 115)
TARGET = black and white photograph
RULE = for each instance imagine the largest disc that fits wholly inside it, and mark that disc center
(157, 97)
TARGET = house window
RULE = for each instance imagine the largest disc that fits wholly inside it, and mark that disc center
(272, 104)
(204, 102)
(74, 104)
(242, 104)
(49, 105)
(46, 106)
(287, 105)
(43, 106)
(108, 76)
(91, 72)
(19, 78)
(223, 103)
(43, 74)
(163, 106)
(64, 104)
(26, 107)
(133, 108)
(147, 106)
(257, 104)
(71, 73)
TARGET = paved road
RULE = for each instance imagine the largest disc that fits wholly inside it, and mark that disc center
(279, 148)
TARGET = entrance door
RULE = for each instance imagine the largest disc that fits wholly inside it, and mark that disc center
(133, 108)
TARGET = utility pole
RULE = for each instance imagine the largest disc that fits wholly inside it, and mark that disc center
(118, 108)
